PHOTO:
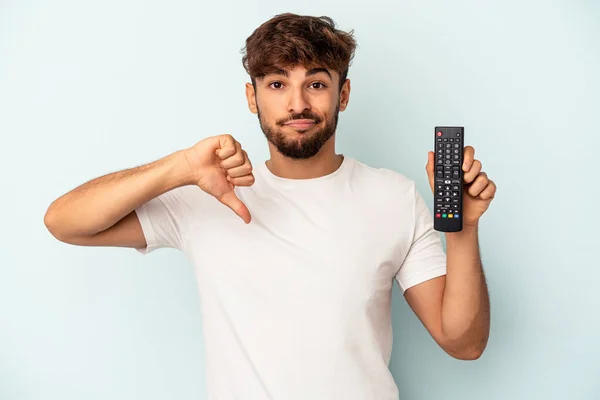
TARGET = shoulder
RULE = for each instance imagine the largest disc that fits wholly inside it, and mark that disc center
(186, 199)
(389, 197)
(382, 179)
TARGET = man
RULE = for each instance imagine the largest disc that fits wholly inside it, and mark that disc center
(296, 258)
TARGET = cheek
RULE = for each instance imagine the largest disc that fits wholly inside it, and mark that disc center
(267, 109)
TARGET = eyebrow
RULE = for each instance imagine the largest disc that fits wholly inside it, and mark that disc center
(310, 72)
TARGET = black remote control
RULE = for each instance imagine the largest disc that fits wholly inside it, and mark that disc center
(448, 178)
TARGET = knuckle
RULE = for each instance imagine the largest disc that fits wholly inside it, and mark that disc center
(227, 139)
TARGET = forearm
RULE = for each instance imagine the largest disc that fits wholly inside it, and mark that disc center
(100, 203)
(465, 307)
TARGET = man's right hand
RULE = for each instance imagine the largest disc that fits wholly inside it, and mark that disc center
(218, 164)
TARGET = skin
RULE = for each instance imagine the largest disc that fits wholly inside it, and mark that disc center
(453, 308)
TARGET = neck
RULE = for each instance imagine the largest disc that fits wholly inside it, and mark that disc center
(325, 162)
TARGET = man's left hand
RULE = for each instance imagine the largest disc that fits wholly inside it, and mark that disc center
(478, 189)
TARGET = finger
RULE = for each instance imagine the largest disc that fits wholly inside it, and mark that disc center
(473, 172)
(478, 185)
(242, 170)
(468, 158)
(247, 180)
(226, 146)
(489, 192)
(236, 159)
(235, 204)
(429, 168)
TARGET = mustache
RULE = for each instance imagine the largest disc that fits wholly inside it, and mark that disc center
(303, 115)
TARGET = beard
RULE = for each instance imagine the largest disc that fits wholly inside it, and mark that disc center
(308, 144)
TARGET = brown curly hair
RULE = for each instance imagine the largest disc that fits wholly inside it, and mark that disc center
(289, 40)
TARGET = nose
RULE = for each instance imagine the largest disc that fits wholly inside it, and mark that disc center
(298, 102)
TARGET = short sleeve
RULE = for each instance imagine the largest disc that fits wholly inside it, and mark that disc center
(426, 258)
(164, 220)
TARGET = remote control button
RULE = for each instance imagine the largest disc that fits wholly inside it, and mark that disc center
(439, 133)
(444, 215)
(445, 139)
(456, 216)
(454, 187)
(438, 215)
(454, 194)
(450, 215)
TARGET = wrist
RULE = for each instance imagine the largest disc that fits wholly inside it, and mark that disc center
(180, 170)
(468, 230)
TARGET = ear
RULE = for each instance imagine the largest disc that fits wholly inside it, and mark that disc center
(345, 95)
(251, 97)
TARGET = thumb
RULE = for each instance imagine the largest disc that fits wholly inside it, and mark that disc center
(430, 168)
(235, 204)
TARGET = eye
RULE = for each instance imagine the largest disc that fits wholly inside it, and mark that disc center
(322, 85)
(276, 83)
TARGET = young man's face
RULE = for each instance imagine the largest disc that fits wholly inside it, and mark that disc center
(298, 109)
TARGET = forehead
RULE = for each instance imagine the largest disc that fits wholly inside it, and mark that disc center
(301, 72)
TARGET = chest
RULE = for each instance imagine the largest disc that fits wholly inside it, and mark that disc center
(331, 253)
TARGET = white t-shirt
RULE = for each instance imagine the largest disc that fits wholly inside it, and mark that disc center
(296, 304)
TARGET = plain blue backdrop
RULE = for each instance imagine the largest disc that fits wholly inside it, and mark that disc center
(88, 88)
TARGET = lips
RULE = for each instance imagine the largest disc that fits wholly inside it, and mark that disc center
(301, 123)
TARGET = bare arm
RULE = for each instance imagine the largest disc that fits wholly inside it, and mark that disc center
(466, 304)
(455, 308)
(101, 211)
